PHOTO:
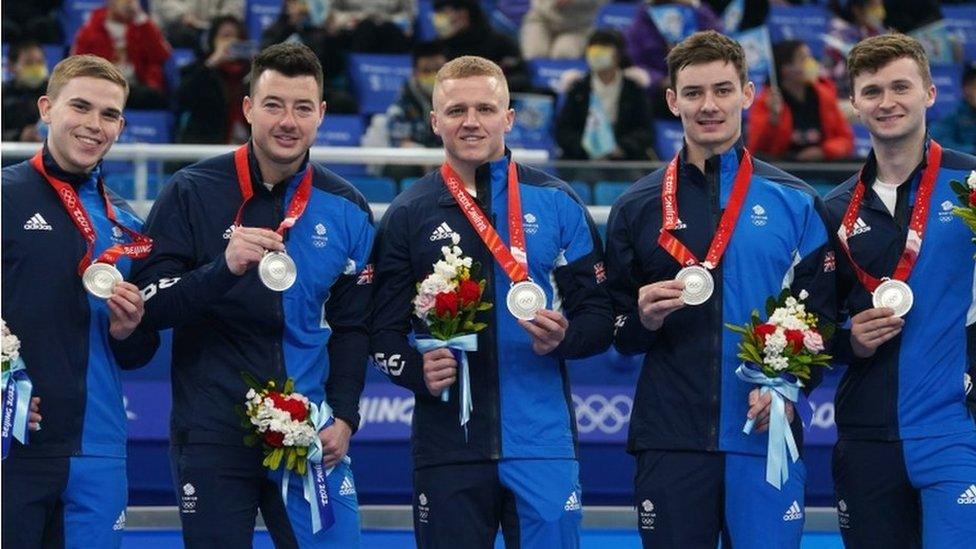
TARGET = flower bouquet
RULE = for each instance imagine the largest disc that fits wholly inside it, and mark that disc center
(779, 355)
(287, 427)
(448, 301)
(17, 388)
(966, 191)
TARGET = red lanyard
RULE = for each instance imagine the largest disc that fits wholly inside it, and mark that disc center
(514, 261)
(726, 226)
(916, 227)
(298, 202)
(140, 246)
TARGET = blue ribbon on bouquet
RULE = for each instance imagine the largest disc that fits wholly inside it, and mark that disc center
(459, 347)
(315, 485)
(781, 438)
(17, 389)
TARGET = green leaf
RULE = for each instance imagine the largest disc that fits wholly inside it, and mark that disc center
(301, 467)
(251, 381)
(289, 386)
(770, 306)
(276, 456)
(484, 306)
(290, 461)
(959, 188)
(251, 440)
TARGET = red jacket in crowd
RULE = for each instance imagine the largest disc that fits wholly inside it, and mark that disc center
(146, 49)
(774, 140)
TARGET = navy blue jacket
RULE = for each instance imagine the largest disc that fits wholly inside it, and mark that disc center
(223, 324)
(522, 403)
(913, 385)
(71, 358)
(688, 396)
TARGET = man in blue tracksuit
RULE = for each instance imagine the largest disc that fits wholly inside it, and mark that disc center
(514, 463)
(905, 462)
(698, 474)
(202, 280)
(67, 486)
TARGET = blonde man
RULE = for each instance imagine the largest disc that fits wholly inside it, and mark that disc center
(513, 461)
(67, 487)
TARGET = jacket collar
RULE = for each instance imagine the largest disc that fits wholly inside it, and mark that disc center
(257, 179)
(490, 175)
(870, 172)
(76, 180)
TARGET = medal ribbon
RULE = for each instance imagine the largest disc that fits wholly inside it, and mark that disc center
(140, 246)
(298, 201)
(916, 227)
(726, 226)
(513, 261)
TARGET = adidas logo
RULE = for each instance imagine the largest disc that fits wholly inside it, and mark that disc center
(968, 497)
(573, 503)
(347, 488)
(679, 225)
(37, 223)
(442, 232)
(860, 227)
(119, 522)
(793, 513)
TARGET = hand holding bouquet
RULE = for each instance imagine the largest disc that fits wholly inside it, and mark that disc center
(778, 355)
(16, 391)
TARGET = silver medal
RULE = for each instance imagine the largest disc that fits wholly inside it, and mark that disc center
(277, 271)
(699, 284)
(100, 279)
(895, 295)
(525, 299)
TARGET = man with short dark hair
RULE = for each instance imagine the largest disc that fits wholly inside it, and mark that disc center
(261, 268)
(905, 461)
(743, 231)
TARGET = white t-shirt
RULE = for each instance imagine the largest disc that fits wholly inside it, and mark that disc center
(888, 194)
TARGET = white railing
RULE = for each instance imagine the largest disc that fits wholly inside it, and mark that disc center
(140, 154)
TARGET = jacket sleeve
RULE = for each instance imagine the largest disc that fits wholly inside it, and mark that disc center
(347, 312)
(630, 337)
(580, 279)
(394, 289)
(814, 273)
(176, 288)
(136, 350)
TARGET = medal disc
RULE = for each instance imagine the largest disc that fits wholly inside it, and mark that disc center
(895, 295)
(525, 299)
(277, 271)
(698, 284)
(100, 279)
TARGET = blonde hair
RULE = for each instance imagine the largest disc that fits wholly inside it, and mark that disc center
(870, 54)
(91, 66)
(467, 66)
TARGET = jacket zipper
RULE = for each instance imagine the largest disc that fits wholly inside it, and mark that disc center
(713, 183)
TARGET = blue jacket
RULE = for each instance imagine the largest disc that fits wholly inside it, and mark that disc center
(912, 386)
(688, 396)
(223, 324)
(522, 404)
(71, 358)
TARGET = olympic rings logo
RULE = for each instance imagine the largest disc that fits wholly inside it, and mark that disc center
(597, 412)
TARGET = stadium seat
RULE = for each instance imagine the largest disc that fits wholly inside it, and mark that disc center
(377, 79)
(260, 15)
(406, 182)
(616, 15)
(583, 190)
(140, 127)
(74, 13)
(546, 73)
(668, 138)
(606, 192)
(342, 130)
(533, 128)
(862, 140)
(375, 189)
(174, 66)
(806, 23)
(53, 54)
(948, 80)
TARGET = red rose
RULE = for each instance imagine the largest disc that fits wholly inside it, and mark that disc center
(278, 399)
(972, 197)
(296, 409)
(794, 338)
(446, 304)
(763, 331)
(469, 291)
(274, 439)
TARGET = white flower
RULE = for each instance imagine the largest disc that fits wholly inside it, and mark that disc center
(445, 270)
(971, 180)
(422, 304)
(791, 302)
(455, 238)
(251, 393)
(804, 295)
(435, 284)
(813, 341)
(10, 344)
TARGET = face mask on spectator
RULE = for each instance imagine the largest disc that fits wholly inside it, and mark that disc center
(875, 16)
(811, 69)
(444, 26)
(600, 58)
(426, 82)
(33, 76)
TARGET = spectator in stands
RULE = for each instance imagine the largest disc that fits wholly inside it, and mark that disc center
(212, 89)
(558, 29)
(606, 114)
(408, 119)
(801, 120)
(908, 15)
(186, 21)
(29, 70)
(957, 130)
(855, 20)
(464, 28)
(648, 47)
(32, 20)
(372, 26)
(122, 33)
